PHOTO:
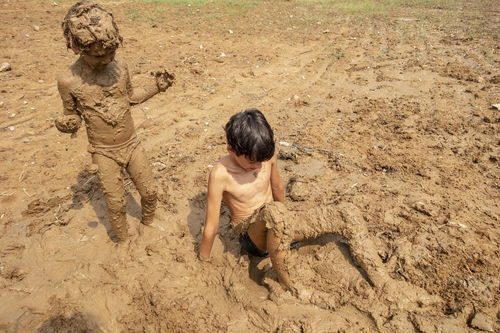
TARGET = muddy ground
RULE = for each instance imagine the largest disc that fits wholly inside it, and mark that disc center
(388, 109)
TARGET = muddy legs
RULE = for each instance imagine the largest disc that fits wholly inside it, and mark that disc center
(111, 178)
(344, 219)
(110, 174)
(142, 176)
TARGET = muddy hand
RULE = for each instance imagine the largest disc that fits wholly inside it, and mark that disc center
(164, 79)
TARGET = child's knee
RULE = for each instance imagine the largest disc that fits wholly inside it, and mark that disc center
(116, 205)
(150, 195)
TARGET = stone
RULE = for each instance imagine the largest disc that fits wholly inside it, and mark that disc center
(482, 322)
(5, 67)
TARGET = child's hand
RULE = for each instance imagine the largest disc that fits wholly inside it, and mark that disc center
(164, 79)
(203, 259)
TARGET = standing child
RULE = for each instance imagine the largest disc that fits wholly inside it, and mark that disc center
(97, 88)
(248, 181)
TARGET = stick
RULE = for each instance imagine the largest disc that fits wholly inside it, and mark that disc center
(341, 194)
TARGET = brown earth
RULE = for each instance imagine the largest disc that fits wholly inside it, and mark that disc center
(389, 111)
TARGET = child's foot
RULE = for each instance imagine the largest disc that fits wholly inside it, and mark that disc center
(147, 219)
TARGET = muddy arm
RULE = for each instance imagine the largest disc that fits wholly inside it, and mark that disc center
(138, 95)
(163, 80)
(70, 120)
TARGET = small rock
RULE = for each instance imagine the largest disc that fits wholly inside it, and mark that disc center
(5, 67)
(496, 106)
(160, 166)
(482, 322)
(2, 104)
(298, 190)
(12, 128)
(231, 31)
(284, 143)
(54, 4)
(36, 28)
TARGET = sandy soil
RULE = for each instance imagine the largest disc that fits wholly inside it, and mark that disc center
(388, 112)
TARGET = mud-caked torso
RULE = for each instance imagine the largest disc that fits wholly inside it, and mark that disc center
(101, 98)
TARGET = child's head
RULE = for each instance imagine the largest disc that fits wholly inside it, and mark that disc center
(89, 27)
(249, 134)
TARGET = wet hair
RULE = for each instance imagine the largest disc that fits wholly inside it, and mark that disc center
(249, 134)
(87, 23)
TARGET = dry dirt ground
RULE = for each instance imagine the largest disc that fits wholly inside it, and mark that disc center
(387, 108)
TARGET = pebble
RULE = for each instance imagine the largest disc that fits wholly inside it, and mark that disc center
(2, 104)
(5, 67)
(284, 143)
(36, 28)
(482, 322)
(12, 128)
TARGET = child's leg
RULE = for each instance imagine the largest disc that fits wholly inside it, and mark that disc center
(110, 174)
(344, 219)
(141, 173)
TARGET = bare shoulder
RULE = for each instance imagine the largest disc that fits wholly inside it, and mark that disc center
(69, 77)
(219, 171)
(121, 63)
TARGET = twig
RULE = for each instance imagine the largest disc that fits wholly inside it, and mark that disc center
(6, 193)
(57, 213)
(88, 180)
(21, 175)
(26, 192)
(337, 198)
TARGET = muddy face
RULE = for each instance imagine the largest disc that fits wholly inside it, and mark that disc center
(98, 57)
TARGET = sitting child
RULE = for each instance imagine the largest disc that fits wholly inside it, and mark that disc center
(248, 181)
(97, 88)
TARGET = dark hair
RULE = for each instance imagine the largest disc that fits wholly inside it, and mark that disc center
(249, 134)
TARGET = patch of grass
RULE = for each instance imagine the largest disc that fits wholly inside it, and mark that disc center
(384, 5)
(153, 15)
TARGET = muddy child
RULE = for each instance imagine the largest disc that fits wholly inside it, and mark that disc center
(97, 89)
(248, 181)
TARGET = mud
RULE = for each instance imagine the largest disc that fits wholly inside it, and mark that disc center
(392, 116)
(89, 23)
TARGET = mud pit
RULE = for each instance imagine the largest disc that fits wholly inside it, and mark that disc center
(390, 113)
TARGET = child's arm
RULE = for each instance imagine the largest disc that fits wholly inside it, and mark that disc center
(214, 199)
(70, 121)
(277, 186)
(139, 95)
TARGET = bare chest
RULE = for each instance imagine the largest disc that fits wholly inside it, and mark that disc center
(251, 186)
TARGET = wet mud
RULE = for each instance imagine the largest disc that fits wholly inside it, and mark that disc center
(388, 139)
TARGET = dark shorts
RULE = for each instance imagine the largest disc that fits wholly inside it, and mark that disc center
(248, 245)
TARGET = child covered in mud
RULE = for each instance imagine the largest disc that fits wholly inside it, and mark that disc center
(97, 88)
(248, 181)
